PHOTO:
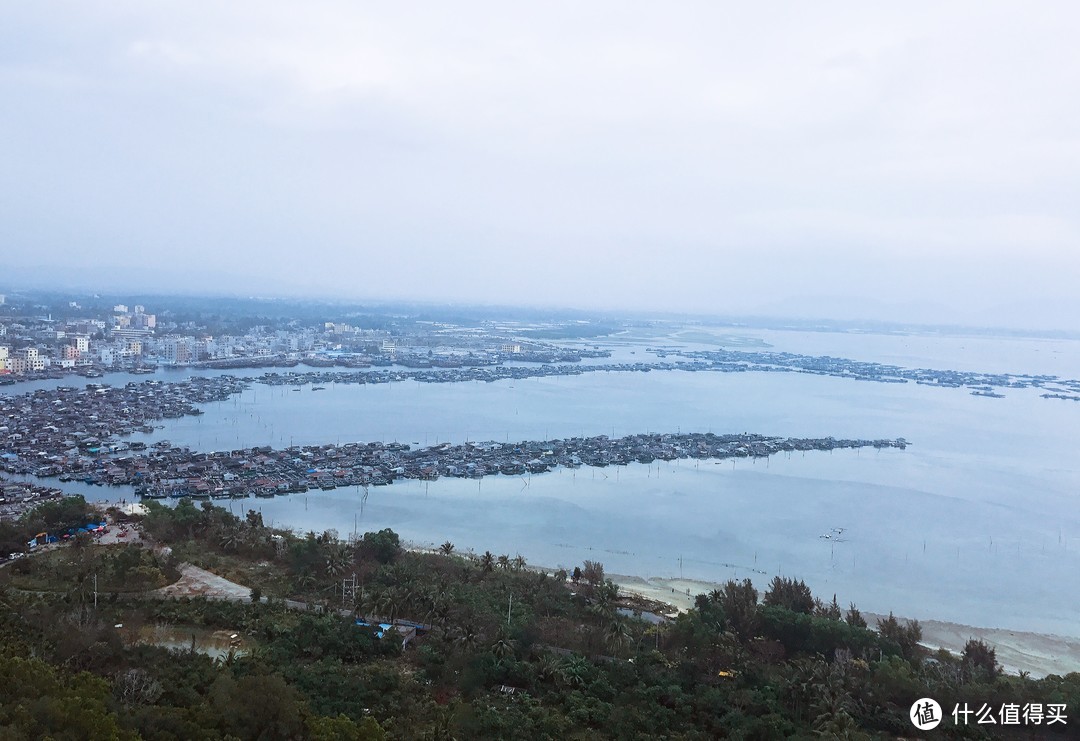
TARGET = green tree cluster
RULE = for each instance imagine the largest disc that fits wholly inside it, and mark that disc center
(504, 652)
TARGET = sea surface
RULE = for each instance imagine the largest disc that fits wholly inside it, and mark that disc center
(976, 522)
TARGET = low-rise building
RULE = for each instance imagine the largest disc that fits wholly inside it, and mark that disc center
(31, 360)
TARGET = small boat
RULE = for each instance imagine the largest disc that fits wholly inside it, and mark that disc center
(318, 388)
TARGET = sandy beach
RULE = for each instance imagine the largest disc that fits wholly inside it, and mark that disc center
(1037, 653)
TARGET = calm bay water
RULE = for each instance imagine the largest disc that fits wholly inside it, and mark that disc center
(977, 522)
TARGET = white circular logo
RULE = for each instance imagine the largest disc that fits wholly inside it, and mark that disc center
(925, 714)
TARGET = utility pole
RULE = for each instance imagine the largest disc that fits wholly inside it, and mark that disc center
(511, 604)
(348, 589)
(95, 591)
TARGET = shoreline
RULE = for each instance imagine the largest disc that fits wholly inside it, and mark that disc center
(1039, 654)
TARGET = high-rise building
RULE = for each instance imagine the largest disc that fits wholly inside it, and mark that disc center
(143, 321)
(177, 350)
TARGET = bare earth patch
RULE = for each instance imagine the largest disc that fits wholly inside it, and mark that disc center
(196, 582)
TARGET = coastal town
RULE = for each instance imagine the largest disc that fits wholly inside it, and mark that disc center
(57, 340)
(122, 338)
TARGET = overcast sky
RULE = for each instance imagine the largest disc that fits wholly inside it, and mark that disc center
(910, 160)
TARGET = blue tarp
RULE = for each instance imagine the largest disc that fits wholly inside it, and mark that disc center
(382, 627)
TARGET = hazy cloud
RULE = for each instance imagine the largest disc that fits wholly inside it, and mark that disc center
(703, 156)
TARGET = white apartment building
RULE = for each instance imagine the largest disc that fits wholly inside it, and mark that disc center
(31, 360)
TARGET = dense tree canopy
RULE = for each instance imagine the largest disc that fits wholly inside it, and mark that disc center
(502, 652)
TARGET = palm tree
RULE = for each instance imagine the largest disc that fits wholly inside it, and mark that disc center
(503, 648)
(337, 559)
(504, 562)
(574, 672)
(230, 538)
(549, 669)
(831, 703)
(840, 726)
(307, 582)
(487, 561)
(447, 548)
(439, 615)
(616, 636)
(519, 562)
(436, 600)
(443, 728)
(228, 660)
(367, 602)
(603, 607)
(389, 602)
(465, 638)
